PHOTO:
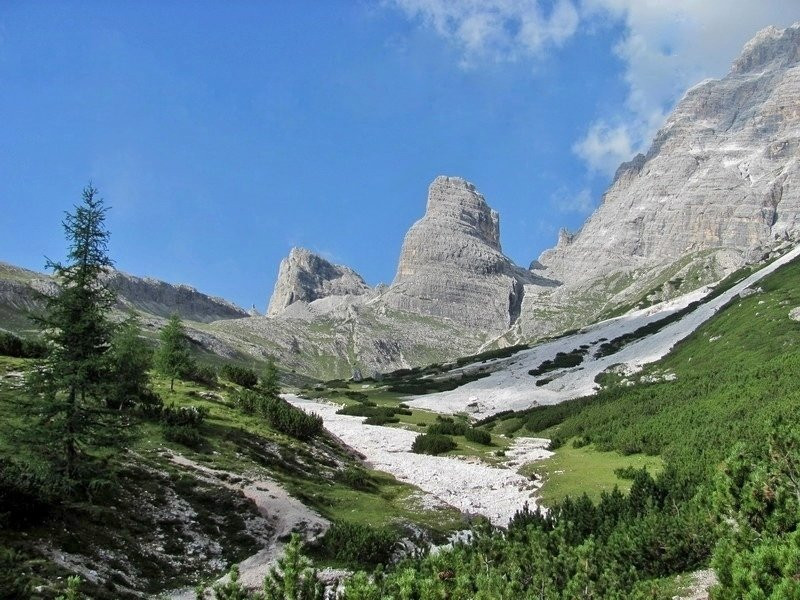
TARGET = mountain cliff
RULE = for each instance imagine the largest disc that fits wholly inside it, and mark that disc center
(451, 264)
(723, 172)
(304, 277)
(20, 289)
(719, 187)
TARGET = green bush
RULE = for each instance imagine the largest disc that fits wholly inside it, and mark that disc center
(247, 401)
(289, 419)
(380, 420)
(182, 424)
(357, 396)
(203, 374)
(183, 434)
(12, 345)
(242, 376)
(562, 360)
(27, 493)
(432, 443)
(13, 580)
(447, 426)
(479, 436)
(364, 410)
(356, 543)
(192, 416)
(356, 478)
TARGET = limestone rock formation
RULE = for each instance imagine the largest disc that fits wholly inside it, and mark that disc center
(160, 298)
(305, 277)
(452, 266)
(723, 172)
(20, 289)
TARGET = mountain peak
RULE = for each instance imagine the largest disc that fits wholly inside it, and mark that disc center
(305, 276)
(455, 203)
(767, 46)
(451, 264)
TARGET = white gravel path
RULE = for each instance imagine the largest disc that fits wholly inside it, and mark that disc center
(286, 514)
(510, 387)
(470, 485)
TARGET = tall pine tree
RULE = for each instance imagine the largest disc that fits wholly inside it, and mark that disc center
(131, 357)
(270, 384)
(172, 357)
(71, 385)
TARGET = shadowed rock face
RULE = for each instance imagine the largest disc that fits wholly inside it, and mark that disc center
(451, 264)
(305, 277)
(723, 172)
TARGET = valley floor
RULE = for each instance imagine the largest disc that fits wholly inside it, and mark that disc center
(468, 484)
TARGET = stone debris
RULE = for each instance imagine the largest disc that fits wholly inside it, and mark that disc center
(473, 487)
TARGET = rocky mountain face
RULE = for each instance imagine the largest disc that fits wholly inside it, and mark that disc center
(719, 186)
(451, 264)
(723, 172)
(304, 277)
(20, 290)
(454, 290)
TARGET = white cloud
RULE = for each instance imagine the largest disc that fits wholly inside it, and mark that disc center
(667, 46)
(570, 201)
(497, 30)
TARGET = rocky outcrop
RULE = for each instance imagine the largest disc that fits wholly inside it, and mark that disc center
(21, 290)
(723, 172)
(162, 299)
(452, 266)
(305, 277)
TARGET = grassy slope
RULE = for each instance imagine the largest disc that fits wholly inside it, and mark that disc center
(573, 471)
(234, 442)
(733, 375)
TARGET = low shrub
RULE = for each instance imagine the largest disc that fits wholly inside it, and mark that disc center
(27, 492)
(289, 419)
(183, 434)
(363, 410)
(562, 360)
(247, 401)
(17, 347)
(182, 424)
(448, 427)
(380, 420)
(356, 478)
(541, 418)
(432, 443)
(204, 374)
(192, 416)
(359, 544)
(479, 436)
(242, 376)
(14, 579)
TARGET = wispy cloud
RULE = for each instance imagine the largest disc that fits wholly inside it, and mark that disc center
(496, 30)
(568, 200)
(665, 48)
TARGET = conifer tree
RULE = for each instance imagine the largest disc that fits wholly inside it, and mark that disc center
(131, 358)
(270, 384)
(293, 578)
(172, 357)
(71, 385)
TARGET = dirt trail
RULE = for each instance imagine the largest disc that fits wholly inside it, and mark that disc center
(285, 513)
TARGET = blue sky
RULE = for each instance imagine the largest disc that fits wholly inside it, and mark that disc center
(222, 134)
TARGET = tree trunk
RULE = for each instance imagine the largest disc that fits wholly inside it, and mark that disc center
(69, 438)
